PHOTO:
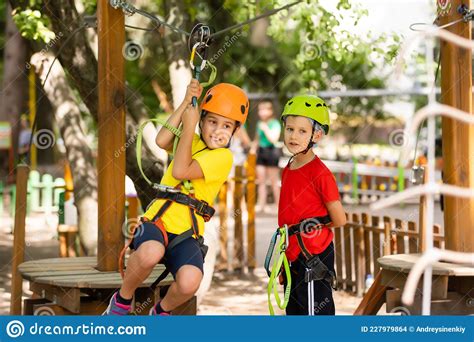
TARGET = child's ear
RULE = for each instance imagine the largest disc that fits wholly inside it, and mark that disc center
(317, 135)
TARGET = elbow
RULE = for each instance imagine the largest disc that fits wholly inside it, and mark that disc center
(339, 222)
(159, 142)
(177, 173)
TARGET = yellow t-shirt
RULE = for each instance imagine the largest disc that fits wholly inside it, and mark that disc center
(216, 165)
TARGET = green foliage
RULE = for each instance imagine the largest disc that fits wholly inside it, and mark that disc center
(33, 25)
(90, 6)
(329, 57)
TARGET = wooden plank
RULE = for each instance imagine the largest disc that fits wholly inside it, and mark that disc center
(373, 299)
(68, 298)
(30, 302)
(454, 304)
(366, 221)
(338, 256)
(223, 258)
(112, 280)
(377, 249)
(437, 242)
(400, 228)
(251, 198)
(348, 260)
(111, 127)
(394, 303)
(390, 246)
(413, 243)
(19, 239)
(238, 257)
(359, 253)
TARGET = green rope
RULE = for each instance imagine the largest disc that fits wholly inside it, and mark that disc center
(273, 282)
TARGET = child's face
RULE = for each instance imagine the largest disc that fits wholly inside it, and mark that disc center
(265, 110)
(297, 133)
(216, 130)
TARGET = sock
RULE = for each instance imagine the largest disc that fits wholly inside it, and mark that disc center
(159, 309)
(122, 300)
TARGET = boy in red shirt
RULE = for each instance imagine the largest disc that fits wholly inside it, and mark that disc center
(309, 205)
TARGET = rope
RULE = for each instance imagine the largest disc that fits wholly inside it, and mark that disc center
(273, 282)
(129, 9)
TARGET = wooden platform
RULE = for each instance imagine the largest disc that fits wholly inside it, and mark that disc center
(391, 280)
(76, 286)
(405, 262)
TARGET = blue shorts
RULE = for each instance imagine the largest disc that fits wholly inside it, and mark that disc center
(186, 252)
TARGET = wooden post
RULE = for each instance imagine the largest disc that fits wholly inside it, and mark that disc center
(422, 216)
(223, 257)
(132, 212)
(251, 196)
(458, 138)
(238, 260)
(111, 165)
(387, 228)
(19, 239)
(32, 108)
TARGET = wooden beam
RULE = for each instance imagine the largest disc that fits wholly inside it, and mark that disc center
(111, 117)
(458, 138)
(373, 299)
(19, 239)
(251, 197)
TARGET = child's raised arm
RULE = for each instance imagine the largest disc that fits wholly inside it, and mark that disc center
(185, 167)
(164, 138)
(337, 213)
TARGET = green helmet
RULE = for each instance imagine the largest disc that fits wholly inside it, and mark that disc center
(309, 106)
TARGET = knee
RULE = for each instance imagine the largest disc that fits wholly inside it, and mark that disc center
(188, 287)
(150, 253)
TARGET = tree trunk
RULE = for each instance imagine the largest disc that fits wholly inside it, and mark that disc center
(15, 79)
(79, 154)
(177, 50)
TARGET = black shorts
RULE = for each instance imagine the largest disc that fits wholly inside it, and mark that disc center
(186, 252)
(323, 300)
(268, 156)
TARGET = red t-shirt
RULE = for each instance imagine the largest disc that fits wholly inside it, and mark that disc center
(304, 192)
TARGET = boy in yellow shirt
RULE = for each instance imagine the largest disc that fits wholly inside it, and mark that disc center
(173, 224)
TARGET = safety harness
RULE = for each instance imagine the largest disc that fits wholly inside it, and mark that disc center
(174, 195)
(315, 269)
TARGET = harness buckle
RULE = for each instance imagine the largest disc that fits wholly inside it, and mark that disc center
(166, 188)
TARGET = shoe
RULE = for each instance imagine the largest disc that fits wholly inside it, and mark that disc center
(117, 309)
(154, 313)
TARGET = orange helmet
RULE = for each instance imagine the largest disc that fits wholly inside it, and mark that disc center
(227, 100)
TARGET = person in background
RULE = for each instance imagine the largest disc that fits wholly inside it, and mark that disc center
(268, 154)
